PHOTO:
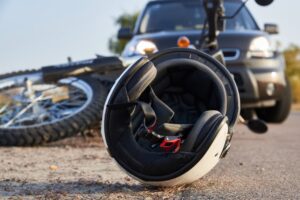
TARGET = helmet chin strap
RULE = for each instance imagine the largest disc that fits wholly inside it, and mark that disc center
(157, 117)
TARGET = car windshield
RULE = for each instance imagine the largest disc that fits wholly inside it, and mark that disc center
(189, 15)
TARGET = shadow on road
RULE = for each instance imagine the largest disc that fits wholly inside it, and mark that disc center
(80, 187)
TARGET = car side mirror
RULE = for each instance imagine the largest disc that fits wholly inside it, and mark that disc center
(125, 33)
(271, 29)
(264, 2)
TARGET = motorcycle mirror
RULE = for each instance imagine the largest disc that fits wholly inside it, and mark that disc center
(257, 126)
(264, 2)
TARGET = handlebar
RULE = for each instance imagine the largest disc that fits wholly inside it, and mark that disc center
(215, 13)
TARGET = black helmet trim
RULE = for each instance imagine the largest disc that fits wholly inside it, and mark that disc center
(201, 67)
(225, 76)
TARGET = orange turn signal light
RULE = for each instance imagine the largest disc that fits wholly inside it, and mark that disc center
(183, 42)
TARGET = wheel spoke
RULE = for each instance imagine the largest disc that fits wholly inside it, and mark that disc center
(43, 109)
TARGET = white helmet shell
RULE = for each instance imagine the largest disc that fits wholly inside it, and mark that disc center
(169, 118)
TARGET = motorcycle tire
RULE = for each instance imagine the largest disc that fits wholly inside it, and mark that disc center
(59, 110)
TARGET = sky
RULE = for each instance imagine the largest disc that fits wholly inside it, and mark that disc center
(36, 33)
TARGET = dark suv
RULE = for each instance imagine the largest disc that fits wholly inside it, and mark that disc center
(257, 67)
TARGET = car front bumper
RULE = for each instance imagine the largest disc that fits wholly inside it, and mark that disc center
(260, 81)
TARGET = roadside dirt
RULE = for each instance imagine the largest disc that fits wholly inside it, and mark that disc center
(257, 167)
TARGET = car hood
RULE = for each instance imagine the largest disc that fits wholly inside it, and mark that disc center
(227, 40)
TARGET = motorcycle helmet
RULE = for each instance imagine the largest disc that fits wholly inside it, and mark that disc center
(169, 118)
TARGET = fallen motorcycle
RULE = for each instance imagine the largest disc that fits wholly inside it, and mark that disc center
(55, 102)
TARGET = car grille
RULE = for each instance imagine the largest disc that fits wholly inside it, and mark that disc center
(238, 79)
(239, 82)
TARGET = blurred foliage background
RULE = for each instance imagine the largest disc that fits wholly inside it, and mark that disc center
(292, 53)
(292, 57)
(125, 20)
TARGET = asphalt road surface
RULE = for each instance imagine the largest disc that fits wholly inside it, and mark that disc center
(257, 167)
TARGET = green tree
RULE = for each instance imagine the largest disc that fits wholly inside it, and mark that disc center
(292, 57)
(126, 20)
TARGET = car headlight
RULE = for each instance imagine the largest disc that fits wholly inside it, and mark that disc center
(261, 48)
(143, 47)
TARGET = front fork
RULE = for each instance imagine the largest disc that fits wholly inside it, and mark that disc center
(30, 94)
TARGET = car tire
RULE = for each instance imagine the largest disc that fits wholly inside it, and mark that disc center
(280, 112)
